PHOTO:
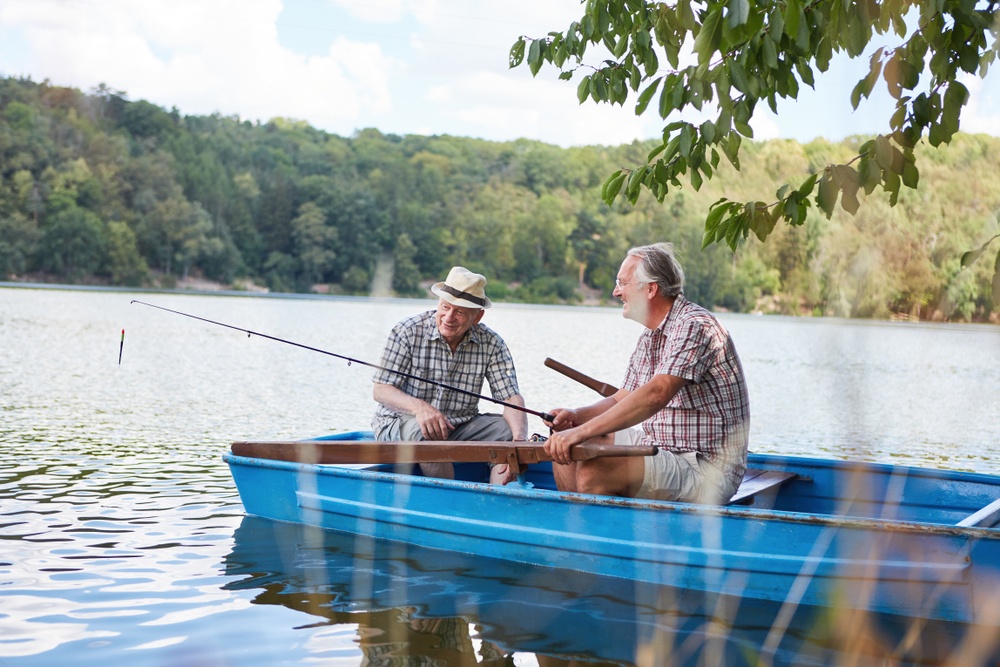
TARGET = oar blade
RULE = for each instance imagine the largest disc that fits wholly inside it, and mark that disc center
(602, 388)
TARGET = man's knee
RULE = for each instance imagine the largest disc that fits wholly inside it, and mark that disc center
(591, 477)
(484, 427)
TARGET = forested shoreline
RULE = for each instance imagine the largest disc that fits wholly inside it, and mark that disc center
(98, 189)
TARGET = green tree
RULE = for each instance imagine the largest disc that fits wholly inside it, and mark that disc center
(315, 243)
(124, 263)
(748, 51)
(72, 243)
(405, 275)
(18, 238)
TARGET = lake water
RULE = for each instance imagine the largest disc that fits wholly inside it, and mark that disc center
(123, 538)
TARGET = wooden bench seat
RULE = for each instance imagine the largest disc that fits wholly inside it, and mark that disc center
(987, 517)
(759, 483)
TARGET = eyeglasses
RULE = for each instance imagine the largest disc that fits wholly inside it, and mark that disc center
(620, 285)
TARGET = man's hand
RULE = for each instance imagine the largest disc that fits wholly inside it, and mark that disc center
(502, 474)
(564, 418)
(433, 424)
(559, 444)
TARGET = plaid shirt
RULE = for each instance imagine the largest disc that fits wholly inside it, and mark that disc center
(415, 347)
(711, 414)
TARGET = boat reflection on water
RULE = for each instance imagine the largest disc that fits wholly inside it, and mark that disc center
(422, 606)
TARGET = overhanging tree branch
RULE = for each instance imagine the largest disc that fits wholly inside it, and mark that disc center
(752, 50)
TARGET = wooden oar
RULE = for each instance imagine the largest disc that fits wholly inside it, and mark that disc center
(602, 388)
(515, 454)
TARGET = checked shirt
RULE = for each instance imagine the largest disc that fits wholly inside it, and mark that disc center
(415, 347)
(711, 414)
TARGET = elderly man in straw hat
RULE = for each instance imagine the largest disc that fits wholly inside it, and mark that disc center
(450, 346)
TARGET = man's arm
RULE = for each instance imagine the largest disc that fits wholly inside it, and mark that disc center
(516, 419)
(433, 424)
(633, 408)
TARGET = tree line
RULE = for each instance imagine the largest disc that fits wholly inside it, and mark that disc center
(96, 188)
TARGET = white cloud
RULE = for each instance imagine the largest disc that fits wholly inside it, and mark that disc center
(403, 66)
(764, 126)
(223, 56)
(982, 112)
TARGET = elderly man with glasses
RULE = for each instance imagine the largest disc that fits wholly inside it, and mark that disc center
(684, 391)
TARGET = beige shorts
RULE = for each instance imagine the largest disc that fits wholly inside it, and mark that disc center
(684, 476)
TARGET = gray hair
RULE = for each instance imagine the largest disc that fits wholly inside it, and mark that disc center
(660, 266)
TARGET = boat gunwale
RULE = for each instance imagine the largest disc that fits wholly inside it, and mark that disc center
(366, 471)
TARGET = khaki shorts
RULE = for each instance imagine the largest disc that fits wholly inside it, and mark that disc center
(684, 476)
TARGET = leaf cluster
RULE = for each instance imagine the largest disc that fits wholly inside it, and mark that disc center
(723, 57)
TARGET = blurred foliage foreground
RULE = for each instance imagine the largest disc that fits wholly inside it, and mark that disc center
(97, 189)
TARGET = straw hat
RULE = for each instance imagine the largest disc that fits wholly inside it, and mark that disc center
(463, 288)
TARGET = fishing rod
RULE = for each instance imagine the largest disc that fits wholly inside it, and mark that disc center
(544, 416)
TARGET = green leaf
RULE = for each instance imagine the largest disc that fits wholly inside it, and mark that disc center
(707, 131)
(739, 11)
(715, 213)
(732, 149)
(696, 179)
(849, 200)
(971, 256)
(911, 176)
(707, 41)
(583, 89)
(535, 56)
(938, 135)
(807, 186)
(516, 52)
(793, 16)
(685, 16)
(775, 23)
(634, 183)
(738, 77)
(744, 129)
(761, 222)
(686, 138)
(891, 184)
(613, 186)
(656, 151)
(645, 96)
(883, 152)
(826, 198)
(770, 54)
(738, 226)
(954, 99)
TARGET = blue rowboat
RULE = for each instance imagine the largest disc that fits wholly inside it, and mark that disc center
(888, 539)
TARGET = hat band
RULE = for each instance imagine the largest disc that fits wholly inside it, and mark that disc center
(459, 294)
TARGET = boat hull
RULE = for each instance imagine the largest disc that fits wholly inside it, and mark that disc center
(897, 566)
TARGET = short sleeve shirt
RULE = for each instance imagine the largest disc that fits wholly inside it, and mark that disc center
(415, 347)
(710, 414)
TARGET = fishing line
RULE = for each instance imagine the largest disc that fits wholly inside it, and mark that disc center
(542, 415)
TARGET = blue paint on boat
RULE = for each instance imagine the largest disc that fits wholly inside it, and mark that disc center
(857, 535)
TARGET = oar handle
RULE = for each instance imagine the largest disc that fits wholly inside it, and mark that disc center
(516, 454)
(602, 388)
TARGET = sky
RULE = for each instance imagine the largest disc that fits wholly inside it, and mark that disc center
(401, 66)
